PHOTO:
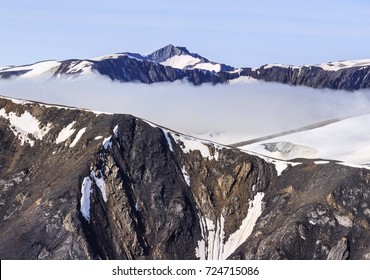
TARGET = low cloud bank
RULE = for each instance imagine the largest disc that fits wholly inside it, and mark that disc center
(223, 113)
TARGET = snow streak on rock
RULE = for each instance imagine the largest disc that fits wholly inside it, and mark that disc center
(65, 133)
(78, 136)
(186, 176)
(212, 246)
(99, 181)
(85, 198)
(165, 132)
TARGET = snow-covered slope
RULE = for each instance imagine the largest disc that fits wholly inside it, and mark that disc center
(40, 70)
(346, 140)
(335, 66)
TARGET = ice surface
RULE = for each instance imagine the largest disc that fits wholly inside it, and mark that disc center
(24, 125)
(78, 136)
(65, 133)
(85, 198)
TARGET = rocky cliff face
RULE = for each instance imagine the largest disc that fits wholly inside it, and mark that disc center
(76, 184)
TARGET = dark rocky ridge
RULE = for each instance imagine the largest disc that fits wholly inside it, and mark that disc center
(309, 212)
(350, 79)
(131, 67)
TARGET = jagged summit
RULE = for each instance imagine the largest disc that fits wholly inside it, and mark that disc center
(167, 52)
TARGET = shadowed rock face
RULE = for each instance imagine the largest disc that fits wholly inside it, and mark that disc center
(350, 79)
(153, 197)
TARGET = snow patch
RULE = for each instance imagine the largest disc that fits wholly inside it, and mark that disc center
(246, 228)
(189, 144)
(180, 61)
(98, 137)
(186, 176)
(321, 162)
(165, 132)
(24, 125)
(208, 66)
(269, 66)
(99, 181)
(212, 246)
(78, 136)
(366, 166)
(335, 66)
(65, 133)
(116, 131)
(107, 142)
(85, 198)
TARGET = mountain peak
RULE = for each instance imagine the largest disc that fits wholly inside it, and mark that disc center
(167, 52)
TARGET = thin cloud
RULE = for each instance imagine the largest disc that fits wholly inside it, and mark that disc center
(223, 113)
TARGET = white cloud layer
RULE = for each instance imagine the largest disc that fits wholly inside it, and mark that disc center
(223, 113)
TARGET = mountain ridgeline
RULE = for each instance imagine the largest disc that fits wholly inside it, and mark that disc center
(77, 184)
(177, 63)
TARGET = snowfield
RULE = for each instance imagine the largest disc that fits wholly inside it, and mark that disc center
(346, 140)
(25, 125)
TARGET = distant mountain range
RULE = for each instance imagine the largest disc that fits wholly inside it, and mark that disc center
(173, 63)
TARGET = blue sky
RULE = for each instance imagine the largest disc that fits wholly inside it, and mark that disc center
(239, 33)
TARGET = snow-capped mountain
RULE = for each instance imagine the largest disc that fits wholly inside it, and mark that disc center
(78, 184)
(167, 64)
(177, 63)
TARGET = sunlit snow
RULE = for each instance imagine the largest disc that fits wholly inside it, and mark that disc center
(65, 133)
(180, 61)
(186, 175)
(85, 198)
(107, 142)
(99, 181)
(189, 144)
(78, 136)
(165, 133)
(212, 246)
(24, 125)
